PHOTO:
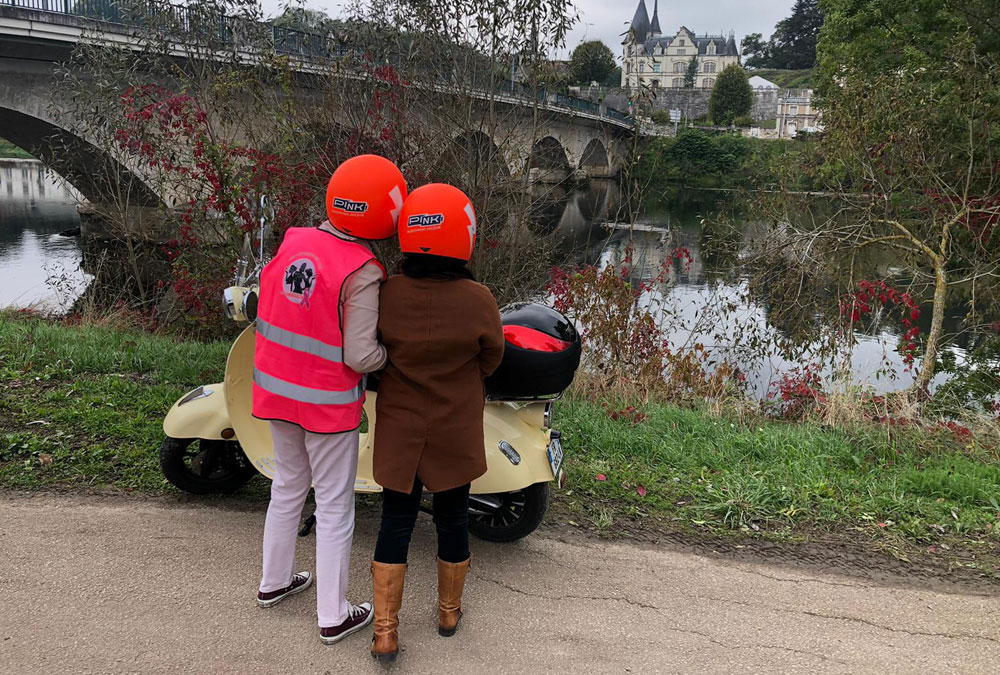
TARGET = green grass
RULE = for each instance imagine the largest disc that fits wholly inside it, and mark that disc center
(9, 150)
(719, 474)
(789, 79)
(82, 406)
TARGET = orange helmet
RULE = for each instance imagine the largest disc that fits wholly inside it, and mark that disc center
(365, 196)
(438, 219)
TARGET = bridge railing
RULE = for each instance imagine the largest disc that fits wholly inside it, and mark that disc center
(182, 22)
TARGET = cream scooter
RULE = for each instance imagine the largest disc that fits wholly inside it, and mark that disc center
(214, 445)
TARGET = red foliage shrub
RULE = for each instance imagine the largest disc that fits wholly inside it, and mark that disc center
(874, 295)
(800, 391)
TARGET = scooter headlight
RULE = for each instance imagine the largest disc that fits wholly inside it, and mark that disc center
(229, 302)
(250, 301)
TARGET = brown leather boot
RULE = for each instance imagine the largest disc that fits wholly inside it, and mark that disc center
(388, 583)
(451, 583)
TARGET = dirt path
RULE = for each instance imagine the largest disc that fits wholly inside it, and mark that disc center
(110, 585)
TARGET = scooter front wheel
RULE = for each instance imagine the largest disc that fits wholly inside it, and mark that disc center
(205, 467)
(508, 516)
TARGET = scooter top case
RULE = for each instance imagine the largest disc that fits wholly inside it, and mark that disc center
(516, 436)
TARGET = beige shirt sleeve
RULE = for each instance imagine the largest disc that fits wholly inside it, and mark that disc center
(359, 309)
(362, 351)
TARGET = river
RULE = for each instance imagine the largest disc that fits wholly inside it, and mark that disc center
(700, 300)
(38, 267)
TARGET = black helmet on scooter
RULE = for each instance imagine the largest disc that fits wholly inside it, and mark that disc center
(541, 354)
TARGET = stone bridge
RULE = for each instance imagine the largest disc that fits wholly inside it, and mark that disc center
(568, 136)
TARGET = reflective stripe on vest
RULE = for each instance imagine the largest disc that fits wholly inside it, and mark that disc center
(297, 392)
(300, 343)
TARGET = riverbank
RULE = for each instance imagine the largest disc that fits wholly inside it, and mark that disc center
(10, 151)
(721, 160)
(81, 408)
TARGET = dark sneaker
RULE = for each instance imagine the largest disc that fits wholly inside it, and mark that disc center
(358, 616)
(300, 582)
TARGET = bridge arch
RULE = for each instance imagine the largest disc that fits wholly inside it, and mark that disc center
(92, 172)
(595, 156)
(548, 153)
(478, 153)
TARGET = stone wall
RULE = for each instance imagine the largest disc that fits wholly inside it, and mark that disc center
(765, 104)
(692, 103)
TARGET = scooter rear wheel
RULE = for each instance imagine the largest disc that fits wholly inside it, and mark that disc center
(508, 516)
(205, 467)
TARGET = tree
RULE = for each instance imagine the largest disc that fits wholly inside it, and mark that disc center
(793, 45)
(756, 51)
(731, 97)
(692, 73)
(916, 129)
(209, 134)
(592, 61)
(307, 21)
(614, 79)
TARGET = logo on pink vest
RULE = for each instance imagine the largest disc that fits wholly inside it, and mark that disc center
(300, 277)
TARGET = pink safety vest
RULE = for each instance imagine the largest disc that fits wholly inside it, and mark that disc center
(299, 372)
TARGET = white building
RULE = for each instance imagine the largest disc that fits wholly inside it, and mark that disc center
(796, 113)
(662, 61)
(758, 82)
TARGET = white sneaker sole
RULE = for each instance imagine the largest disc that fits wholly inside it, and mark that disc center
(274, 601)
(335, 640)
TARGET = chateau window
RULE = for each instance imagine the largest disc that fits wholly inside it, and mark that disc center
(680, 67)
(682, 52)
(642, 66)
(681, 42)
(656, 67)
(708, 82)
(628, 66)
(678, 82)
(711, 50)
(656, 84)
(794, 110)
(710, 67)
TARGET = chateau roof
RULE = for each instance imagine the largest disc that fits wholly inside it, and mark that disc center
(640, 23)
(654, 27)
(723, 46)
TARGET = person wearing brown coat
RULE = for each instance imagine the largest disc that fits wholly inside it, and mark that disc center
(443, 336)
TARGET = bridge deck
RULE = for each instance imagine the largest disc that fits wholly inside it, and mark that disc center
(70, 21)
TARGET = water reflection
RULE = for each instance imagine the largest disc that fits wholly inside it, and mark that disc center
(701, 295)
(38, 268)
(704, 299)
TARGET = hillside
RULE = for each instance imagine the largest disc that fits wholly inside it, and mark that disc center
(789, 79)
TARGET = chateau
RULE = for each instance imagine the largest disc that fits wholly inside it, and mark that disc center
(662, 61)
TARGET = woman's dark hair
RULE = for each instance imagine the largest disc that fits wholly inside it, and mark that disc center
(426, 266)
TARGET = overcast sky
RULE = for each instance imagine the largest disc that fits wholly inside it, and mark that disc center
(607, 19)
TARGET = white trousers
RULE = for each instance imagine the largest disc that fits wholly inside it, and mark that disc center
(329, 462)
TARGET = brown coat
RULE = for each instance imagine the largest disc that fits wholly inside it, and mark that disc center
(443, 338)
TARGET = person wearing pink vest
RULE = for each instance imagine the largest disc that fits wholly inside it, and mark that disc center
(316, 335)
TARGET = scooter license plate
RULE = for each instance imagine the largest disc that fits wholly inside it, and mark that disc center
(555, 453)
